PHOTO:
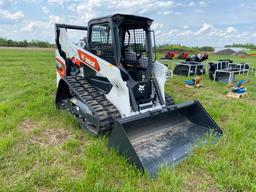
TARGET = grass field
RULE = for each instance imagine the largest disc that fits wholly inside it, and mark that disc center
(42, 149)
(251, 52)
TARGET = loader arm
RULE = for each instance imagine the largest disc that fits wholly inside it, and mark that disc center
(103, 68)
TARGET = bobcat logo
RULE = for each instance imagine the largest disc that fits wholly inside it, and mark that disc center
(141, 88)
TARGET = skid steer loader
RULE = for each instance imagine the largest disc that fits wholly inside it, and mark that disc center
(112, 84)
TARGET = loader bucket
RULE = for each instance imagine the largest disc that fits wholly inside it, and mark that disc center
(153, 140)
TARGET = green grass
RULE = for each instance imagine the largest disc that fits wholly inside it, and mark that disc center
(251, 51)
(44, 150)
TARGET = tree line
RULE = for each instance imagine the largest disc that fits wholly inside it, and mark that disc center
(182, 48)
(246, 45)
(160, 48)
(34, 43)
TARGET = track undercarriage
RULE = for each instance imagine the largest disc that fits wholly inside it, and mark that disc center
(93, 111)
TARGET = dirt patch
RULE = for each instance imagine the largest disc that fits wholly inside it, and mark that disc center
(224, 119)
(252, 101)
(51, 137)
(76, 172)
(42, 189)
(200, 180)
(27, 126)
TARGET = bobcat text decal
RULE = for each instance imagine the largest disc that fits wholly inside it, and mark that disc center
(89, 60)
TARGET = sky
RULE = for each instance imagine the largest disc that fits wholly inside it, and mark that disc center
(187, 22)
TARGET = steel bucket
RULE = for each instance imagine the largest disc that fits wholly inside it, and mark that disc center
(161, 138)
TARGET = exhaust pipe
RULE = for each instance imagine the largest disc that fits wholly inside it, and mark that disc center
(155, 139)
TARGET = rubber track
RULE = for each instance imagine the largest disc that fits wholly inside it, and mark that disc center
(97, 102)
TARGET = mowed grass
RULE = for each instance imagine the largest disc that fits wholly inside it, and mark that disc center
(42, 149)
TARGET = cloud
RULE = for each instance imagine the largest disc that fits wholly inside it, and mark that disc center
(89, 9)
(41, 26)
(45, 10)
(180, 32)
(231, 30)
(35, 26)
(72, 7)
(200, 11)
(157, 27)
(204, 29)
(173, 32)
(203, 3)
(196, 24)
(5, 4)
(29, 27)
(54, 19)
(6, 15)
(37, 30)
(244, 6)
(185, 33)
(168, 12)
(59, 2)
(203, 35)
(192, 3)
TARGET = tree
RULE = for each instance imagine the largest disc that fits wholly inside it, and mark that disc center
(24, 43)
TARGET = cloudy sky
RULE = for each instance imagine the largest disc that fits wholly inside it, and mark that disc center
(188, 22)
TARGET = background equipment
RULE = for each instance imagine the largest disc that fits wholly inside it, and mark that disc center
(169, 55)
(239, 90)
(182, 55)
(192, 66)
(225, 70)
(112, 84)
(195, 82)
(240, 87)
(189, 68)
(197, 57)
